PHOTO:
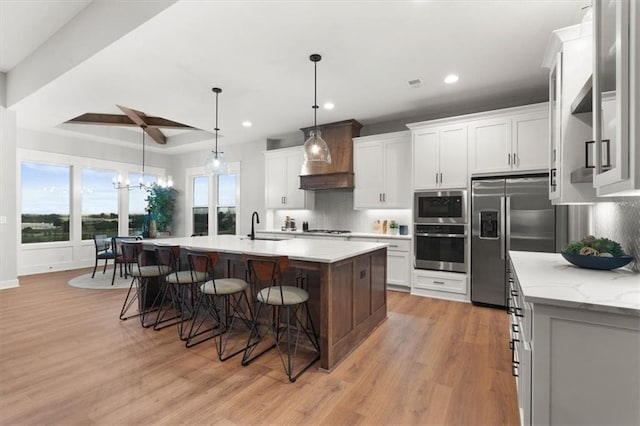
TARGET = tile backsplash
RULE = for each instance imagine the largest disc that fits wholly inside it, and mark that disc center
(620, 221)
(334, 210)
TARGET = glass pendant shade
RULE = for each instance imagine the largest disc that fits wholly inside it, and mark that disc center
(216, 164)
(316, 149)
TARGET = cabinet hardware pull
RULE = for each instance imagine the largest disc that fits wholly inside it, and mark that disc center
(509, 158)
(436, 178)
(552, 178)
(513, 292)
(515, 328)
(393, 245)
(438, 282)
(440, 177)
(384, 197)
(515, 159)
(514, 371)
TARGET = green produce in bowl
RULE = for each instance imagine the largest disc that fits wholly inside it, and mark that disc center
(592, 246)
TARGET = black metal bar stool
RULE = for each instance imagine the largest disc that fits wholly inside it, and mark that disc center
(289, 315)
(132, 257)
(178, 290)
(221, 303)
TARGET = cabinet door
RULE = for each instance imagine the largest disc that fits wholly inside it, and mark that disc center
(398, 267)
(614, 96)
(425, 159)
(453, 157)
(276, 181)
(490, 146)
(397, 174)
(555, 127)
(530, 143)
(294, 196)
(367, 166)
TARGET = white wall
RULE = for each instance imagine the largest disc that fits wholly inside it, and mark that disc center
(8, 210)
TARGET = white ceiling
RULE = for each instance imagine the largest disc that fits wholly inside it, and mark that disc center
(258, 53)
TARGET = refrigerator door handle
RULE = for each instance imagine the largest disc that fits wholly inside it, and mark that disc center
(502, 225)
(508, 224)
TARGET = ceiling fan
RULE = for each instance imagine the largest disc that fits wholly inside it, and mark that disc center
(151, 125)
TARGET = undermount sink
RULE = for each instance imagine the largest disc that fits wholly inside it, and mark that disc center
(262, 239)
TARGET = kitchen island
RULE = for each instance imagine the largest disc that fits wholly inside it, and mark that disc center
(346, 282)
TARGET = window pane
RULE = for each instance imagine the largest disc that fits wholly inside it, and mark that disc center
(226, 220)
(227, 190)
(138, 204)
(201, 191)
(201, 220)
(99, 203)
(45, 202)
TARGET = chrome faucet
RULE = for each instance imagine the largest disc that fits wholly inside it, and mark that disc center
(253, 232)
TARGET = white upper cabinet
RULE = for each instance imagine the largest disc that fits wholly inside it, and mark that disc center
(569, 59)
(439, 157)
(282, 180)
(616, 98)
(382, 172)
(510, 143)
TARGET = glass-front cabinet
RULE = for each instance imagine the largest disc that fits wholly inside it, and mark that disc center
(615, 98)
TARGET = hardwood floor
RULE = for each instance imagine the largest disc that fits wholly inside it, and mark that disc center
(67, 359)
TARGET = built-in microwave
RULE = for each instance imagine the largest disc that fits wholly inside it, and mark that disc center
(440, 206)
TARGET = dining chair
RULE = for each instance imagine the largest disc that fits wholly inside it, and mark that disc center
(104, 251)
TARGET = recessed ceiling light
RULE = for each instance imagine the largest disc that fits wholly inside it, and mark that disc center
(451, 78)
(247, 124)
(328, 105)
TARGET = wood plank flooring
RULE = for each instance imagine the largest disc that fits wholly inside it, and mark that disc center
(66, 358)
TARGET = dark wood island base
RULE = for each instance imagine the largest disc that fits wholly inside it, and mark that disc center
(347, 298)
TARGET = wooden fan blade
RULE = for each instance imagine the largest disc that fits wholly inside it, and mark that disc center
(139, 118)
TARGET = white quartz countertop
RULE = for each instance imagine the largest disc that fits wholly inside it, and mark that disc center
(547, 278)
(300, 234)
(323, 251)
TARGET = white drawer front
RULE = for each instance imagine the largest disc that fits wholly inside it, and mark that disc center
(454, 285)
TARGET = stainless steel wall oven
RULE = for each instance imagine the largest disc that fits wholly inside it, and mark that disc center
(441, 247)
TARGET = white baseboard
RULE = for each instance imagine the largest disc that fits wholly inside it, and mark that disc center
(5, 284)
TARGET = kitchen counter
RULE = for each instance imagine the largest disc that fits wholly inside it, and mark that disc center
(547, 278)
(296, 249)
(346, 281)
(301, 234)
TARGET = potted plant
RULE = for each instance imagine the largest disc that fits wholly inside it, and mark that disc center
(160, 204)
(393, 227)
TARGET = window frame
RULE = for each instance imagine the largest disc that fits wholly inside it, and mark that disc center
(212, 208)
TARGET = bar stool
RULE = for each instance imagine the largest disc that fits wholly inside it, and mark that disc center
(293, 301)
(221, 302)
(178, 289)
(132, 254)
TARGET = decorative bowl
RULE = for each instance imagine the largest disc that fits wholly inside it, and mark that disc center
(597, 262)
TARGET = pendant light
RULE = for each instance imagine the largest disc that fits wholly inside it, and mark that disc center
(215, 164)
(316, 150)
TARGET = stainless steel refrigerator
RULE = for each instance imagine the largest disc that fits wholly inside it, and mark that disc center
(510, 213)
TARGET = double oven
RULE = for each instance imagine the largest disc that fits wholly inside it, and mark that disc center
(440, 230)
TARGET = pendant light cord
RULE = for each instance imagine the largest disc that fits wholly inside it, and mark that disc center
(217, 92)
(315, 97)
(143, 132)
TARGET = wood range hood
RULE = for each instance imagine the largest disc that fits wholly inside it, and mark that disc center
(339, 174)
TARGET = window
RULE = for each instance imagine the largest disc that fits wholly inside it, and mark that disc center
(138, 203)
(45, 202)
(99, 203)
(226, 204)
(201, 205)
